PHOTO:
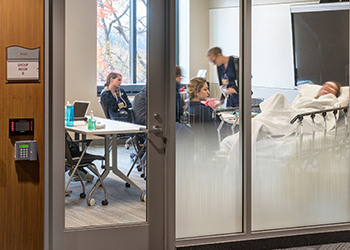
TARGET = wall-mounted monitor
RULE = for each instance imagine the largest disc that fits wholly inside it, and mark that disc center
(321, 43)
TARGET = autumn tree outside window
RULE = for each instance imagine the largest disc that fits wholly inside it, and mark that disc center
(121, 39)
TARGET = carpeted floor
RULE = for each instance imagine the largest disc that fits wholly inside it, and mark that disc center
(124, 204)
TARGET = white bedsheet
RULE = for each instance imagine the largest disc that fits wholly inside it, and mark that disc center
(276, 114)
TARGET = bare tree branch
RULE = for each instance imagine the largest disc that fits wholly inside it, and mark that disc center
(121, 30)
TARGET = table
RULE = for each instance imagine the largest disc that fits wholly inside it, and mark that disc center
(111, 130)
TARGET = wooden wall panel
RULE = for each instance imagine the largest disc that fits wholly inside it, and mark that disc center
(21, 183)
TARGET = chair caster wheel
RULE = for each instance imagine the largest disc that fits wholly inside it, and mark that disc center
(91, 201)
(127, 185)
(139, 168)
(104, 202)
(82, 195)
(143, 197)
(142, 175)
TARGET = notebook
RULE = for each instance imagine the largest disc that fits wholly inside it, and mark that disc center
(80, 109)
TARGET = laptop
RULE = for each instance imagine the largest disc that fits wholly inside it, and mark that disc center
(80, 109)
(202, 73)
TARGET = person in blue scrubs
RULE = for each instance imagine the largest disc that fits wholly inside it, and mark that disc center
(227, 76)
(180, 104)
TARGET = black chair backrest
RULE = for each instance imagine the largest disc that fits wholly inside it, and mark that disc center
(236, 64)
(194, 122)
(68, 154)
(255, 104)
(131, 111)
(104, 110)
(72, 149)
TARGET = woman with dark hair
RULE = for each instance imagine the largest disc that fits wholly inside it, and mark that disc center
(114, 100)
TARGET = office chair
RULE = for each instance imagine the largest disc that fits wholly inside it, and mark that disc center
(76, 158)
(138, 142)
(204, 133)
(105, 111)
(255, 105)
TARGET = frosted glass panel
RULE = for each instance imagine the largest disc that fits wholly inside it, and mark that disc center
(301, 183)
(209, 193)
(208, 183)
(300, 169)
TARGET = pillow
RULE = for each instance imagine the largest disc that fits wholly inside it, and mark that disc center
(311, 90)
(308, 90)
(344, 92)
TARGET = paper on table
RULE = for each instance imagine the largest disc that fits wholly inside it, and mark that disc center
(79, 123)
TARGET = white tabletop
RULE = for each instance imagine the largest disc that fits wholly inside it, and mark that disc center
(111, 127)
(228, 117)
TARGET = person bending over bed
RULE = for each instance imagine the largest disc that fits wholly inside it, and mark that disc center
(226, 75)
(114, 100)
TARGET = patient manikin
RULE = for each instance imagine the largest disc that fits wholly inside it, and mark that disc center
(277, 112)
(329, 87)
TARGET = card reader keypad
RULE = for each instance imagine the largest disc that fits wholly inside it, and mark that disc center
(25, 150)
(23, 153)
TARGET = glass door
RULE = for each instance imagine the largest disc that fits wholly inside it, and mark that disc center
(109, 58)
(209, 169)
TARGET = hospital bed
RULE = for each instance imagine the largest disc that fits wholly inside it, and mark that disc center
(301, 174)
(230, 116)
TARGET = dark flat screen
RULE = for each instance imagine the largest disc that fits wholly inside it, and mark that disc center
(22, 126)
(80, 109)
(321, 46)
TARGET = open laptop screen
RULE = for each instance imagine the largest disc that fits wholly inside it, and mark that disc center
(202, 73)
(80, 108)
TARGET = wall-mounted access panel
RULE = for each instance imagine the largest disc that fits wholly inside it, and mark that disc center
(26, 150)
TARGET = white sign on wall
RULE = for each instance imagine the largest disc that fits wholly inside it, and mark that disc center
(22, 64)
(22, 71)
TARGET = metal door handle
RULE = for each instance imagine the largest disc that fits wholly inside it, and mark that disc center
(155, 130)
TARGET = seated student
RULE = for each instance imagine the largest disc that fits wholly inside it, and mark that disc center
(139, 105)
(114, 100)
(198, 91)
(201, 116)
(180, 104)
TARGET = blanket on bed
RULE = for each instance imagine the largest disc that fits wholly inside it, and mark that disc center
(277, 112)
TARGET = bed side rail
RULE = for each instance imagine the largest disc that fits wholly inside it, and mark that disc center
(324, 112)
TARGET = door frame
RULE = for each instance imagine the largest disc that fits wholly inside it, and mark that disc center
(159, 230)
